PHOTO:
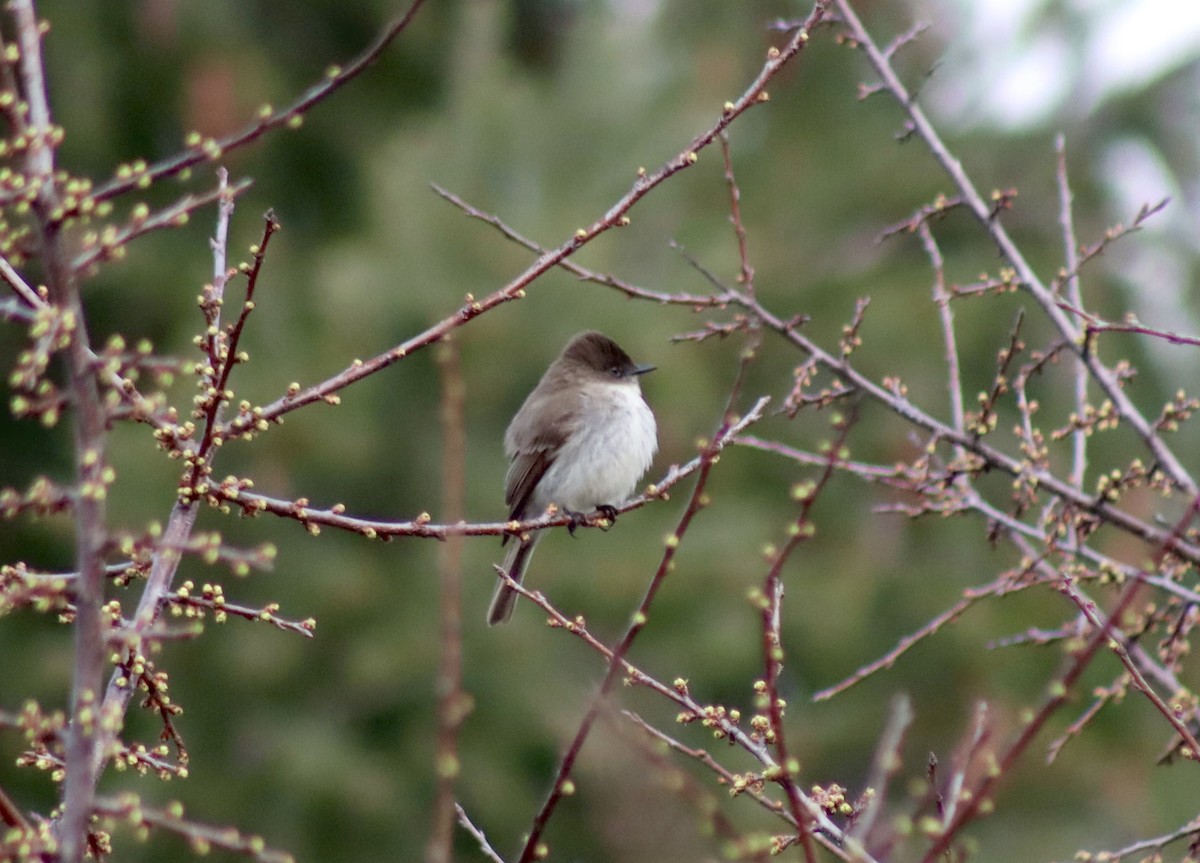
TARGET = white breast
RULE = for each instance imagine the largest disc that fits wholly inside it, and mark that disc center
(612, 447)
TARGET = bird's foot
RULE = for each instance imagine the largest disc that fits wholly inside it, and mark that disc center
(610, 515)
(607, 510)
(577, 518)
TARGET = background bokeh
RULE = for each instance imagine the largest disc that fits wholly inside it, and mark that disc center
(541, 111)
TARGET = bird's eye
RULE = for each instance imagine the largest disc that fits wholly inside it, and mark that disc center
(615, 371)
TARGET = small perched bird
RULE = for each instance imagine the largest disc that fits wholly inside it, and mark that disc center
(582, 440)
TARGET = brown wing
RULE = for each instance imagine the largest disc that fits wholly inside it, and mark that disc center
(533, 441)
(524, 474)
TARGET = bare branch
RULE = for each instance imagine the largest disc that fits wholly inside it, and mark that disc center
(1029, 280)
(201, 150)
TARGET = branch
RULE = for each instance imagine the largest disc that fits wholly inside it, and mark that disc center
(93, 474)
(475, 832)
(299, 510)
(139, 174)
(534, 849)
(697, 301)
(111, 243)
(1075, 295)
(1046, 299)
(616, 216)
(453, 701)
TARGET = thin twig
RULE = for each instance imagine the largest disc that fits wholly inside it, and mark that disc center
(1131, 324)
(905, 644)
(18, 284)
(697, 301)
(1192, 828)
(941, 298)
(964, 759)
(1107, 380)
(214, 149)
(105, 246)
(616, 217)
(799, 531)
(128, 808)
(484, 845)
(746, 274)
(683, 784)
(1066, 221)
(703, 756)
(884, 766)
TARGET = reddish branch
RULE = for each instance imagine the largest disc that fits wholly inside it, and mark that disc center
(799, 532)
(453, 701)
(534, 849)
(616, 216)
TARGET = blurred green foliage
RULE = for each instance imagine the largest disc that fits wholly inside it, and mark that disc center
(541, 112)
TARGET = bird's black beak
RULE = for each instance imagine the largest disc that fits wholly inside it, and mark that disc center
(641, 370)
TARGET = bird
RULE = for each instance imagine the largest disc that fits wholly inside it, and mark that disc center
(581, 440)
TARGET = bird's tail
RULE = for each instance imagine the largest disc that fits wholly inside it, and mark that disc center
(505, 598)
